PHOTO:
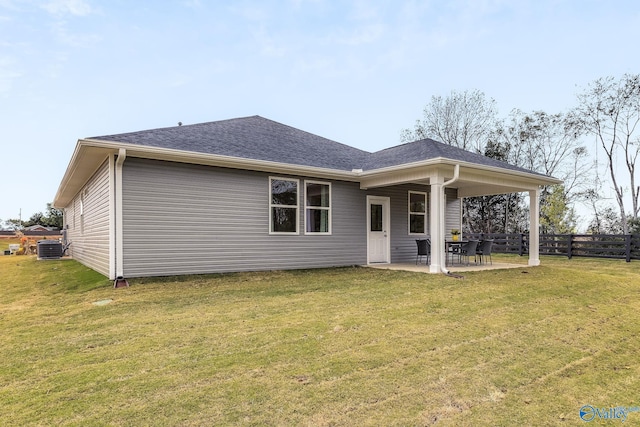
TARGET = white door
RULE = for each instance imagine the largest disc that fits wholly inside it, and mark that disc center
(378, 245)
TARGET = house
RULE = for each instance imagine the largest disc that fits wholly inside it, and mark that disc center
(39, 228)
(250, 194)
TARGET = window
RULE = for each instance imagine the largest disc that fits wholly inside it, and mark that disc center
(283, 205)
(317, 207)
(417, 212)
(376, 217)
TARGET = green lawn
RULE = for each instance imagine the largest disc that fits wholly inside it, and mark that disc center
(350, 346)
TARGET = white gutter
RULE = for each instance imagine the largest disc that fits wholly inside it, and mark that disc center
(456, 176)
(112, 217)
(122, 155)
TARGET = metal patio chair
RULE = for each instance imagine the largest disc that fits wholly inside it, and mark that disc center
(468, 249)
(484, 250)
(424, 249)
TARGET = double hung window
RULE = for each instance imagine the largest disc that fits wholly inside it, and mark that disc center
(283, 205)
(317, 207)
(417, 212)
(284, 202)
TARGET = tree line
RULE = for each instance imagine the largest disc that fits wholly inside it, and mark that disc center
(51, 218)
(607, 110)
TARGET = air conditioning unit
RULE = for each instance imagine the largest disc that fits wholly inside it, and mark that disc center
(49, 249)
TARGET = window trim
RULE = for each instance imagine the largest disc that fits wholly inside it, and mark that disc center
(329, 209)
(272, 205)
(410, 212)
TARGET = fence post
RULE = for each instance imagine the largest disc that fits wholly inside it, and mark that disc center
(521, 248)
(570, 246)
(627, 239)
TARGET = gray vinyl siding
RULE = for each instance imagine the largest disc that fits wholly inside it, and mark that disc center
(190, 219)
(453, 212)
(88, 231)
(403, 244)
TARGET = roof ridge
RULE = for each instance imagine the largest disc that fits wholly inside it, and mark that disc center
(137, 132)
(309, 133)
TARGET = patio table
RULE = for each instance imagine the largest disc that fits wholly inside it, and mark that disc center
(455, 248)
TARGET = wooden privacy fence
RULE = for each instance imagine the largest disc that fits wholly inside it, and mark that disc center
(619, 246)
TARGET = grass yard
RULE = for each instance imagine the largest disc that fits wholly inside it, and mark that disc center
(349, 346)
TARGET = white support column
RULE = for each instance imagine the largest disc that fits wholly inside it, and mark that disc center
(436, 225)
(534, 227)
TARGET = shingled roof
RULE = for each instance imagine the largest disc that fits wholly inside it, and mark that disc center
(429, 149)
(258, 138)
(253, 138)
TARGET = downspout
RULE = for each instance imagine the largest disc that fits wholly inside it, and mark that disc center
(120, 280)
(456, 176)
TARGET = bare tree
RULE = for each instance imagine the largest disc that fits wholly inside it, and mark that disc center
(463, 119)
(541, 142)
(610, 110)
(548, 144)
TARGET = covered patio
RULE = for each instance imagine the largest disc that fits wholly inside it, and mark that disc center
(469, 176)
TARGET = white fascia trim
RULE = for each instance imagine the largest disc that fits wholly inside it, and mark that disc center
(71, 167)
(74, 165)
(438, 161)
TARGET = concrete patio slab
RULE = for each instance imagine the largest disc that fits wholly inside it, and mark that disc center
(456, 268)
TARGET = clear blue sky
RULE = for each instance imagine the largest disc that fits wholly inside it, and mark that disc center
(354, 71)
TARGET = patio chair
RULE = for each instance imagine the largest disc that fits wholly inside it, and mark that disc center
(484, 249)
(468, 249)
(424, 249)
